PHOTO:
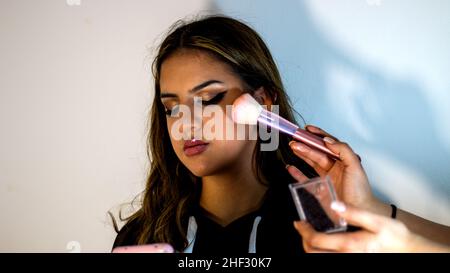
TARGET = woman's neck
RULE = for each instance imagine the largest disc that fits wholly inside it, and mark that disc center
(231, 194)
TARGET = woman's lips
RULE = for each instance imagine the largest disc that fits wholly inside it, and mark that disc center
(194, 147)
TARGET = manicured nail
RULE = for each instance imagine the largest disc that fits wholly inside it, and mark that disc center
(301, 147)
(329, 140)
(338, 206)
(298, 224)
(309, 126)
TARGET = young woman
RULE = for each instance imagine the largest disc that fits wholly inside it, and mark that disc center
(222, 195)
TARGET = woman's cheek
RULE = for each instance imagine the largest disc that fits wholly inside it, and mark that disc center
(177, 143)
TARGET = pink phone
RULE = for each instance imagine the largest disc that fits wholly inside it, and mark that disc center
(151, 248)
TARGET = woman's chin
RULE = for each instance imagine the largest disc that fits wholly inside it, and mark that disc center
(199, 169)
(199, 173)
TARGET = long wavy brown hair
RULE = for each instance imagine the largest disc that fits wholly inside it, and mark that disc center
(171, 189)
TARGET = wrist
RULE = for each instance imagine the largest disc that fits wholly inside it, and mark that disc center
(380, 208)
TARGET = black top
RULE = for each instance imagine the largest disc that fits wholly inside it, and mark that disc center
(275, 233)
(213, 238)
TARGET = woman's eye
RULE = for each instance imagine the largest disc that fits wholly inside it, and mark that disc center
(172, 111)
(215, 100)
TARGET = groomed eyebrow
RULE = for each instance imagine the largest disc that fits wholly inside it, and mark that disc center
(193, 90)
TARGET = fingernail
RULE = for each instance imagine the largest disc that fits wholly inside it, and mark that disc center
(290, 142)
(287, 166)
(342, 222)
(329, 140)
(298, 224)
(313, 127)
(338, 206)
(301, 147)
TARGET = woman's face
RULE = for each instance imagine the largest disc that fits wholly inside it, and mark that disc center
(191, 73)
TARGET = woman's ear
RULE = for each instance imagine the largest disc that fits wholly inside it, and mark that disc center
(263, 97)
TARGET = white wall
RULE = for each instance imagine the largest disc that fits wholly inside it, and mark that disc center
(75, 88)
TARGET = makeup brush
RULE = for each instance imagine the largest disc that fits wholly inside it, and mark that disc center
(246, 110)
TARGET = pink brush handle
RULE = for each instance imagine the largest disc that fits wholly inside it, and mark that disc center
(313, 141)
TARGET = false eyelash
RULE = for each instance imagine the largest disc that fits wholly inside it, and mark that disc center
(216, 99)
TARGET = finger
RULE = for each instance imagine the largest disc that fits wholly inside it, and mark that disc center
(318, 241)
(358, 217)
(310, 249)
(318, 131)
(296, 174)
(304, 228)
(346, 154)
(313, 250)
(307, 248)
(316, 167)
(318, 158)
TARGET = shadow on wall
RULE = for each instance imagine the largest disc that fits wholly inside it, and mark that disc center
(365, 107)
